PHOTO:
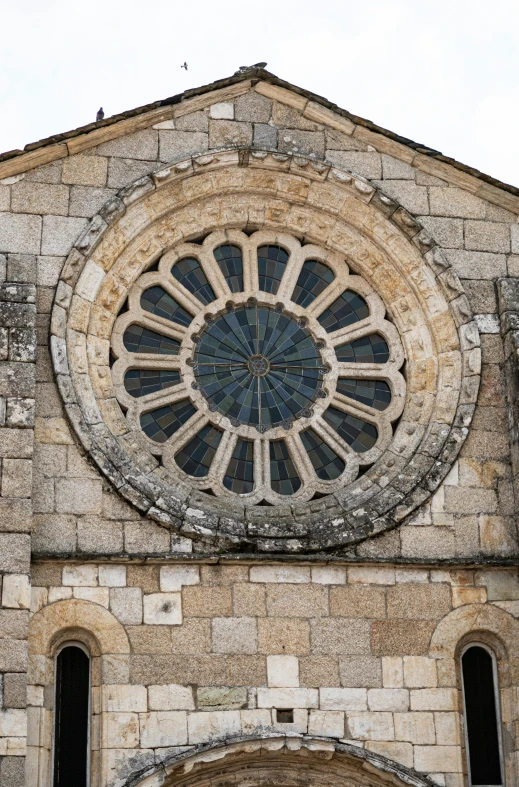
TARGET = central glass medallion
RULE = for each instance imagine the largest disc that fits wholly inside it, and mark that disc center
(259, 367)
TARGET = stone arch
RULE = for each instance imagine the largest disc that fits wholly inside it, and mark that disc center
(470, 619)
(295, 761)
(108, 645)
(71, 617)
(490, 625)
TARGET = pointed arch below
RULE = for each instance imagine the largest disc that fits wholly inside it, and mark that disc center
(295, 761)
(72, 617)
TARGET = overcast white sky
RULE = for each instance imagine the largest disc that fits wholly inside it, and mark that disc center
(442, 73)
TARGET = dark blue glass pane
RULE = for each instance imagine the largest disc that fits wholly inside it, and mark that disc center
(272, 261)
(369, 349)
(258, 366)
(239, 477)
(229, 259)
(140, 382)
(137, 339)
(157, 301)
(195, 458)
(360, 435)
(374, 393)
(313, 279)
(325, 461)
(160, 424)
(283, 475)
(348, 308)
(189, 273)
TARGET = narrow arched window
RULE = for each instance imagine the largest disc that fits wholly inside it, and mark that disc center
(72, 717)
(482, 720)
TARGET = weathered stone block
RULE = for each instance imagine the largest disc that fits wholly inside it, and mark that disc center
(371, 726)
(14, 552)
(96, 535)
(194, 636)
(283, 635)
(85, 170)
(343, 699)
(16, 478)
(249, 600)
(487, 236)
(15, 690)
(234, 635)
(124, 698)
(288, 698)
(344, 636)
(296, 601)
(286, 574)
(16, 591)
(420, 602)
(283, 671)
(326, 723)
(162, 609)
(170, 697)
(204, 727)
(126, 605)
(222, 698)
(39, 198)
(246, 670)
(20, 233)
(207, 602)
(253, 107)
(360, 671)
(356, 601)
(60, 233)
(414, 727)
(401, 637)
(139, 145)
(172, 578)
(446, 759)
(163, 728)
(178, 145)
(434, 699)
(145, 537)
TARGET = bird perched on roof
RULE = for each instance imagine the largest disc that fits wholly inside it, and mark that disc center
(100, 114)
(248, 68)
(184, 65)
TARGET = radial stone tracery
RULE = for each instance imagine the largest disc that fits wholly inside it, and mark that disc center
(257, 368)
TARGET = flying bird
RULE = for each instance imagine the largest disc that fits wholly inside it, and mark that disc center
(184, 65)
(100, 114)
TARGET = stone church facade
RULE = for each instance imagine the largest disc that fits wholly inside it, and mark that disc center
(259, 448)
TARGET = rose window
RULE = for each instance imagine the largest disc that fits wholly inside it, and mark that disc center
(253, 365)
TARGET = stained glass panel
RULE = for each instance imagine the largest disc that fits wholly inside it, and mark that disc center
(313, 280)
(157, 301)
(196, 456)
(137, 339)
(360, 435)
(272, 261)
(189, 273)
(368, 349)
(348, 308)
(239, 477)
(258, 366)
(374, 393)
(140, 382)
(325, 461)
(230, 262)
(163, 422)
(283, 474)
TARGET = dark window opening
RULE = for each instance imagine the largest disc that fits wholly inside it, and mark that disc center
(481, 717)
(71, 723)
(285, 716)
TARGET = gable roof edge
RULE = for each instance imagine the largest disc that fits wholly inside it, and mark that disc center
(311, 105)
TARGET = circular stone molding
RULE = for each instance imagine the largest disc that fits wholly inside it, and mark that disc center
(171, 342)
